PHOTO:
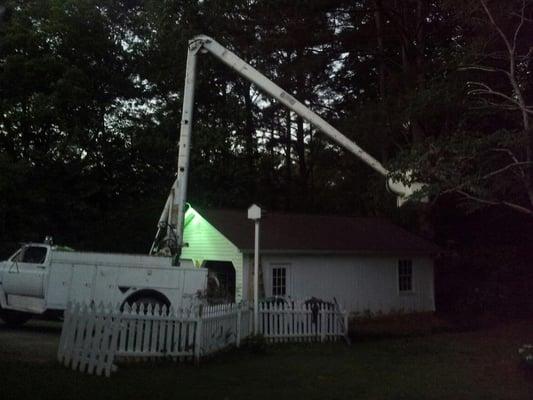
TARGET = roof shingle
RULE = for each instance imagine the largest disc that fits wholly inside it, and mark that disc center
(318, 233)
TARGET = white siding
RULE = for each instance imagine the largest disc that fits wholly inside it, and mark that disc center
(359, 283)
(206, 243)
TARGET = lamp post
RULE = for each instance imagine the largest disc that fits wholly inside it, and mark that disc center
(254, 213)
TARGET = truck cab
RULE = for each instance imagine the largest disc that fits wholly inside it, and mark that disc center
(22, 280)
(24, 272)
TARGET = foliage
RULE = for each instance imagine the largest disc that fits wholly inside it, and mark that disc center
(487, 159)
(395, 324)
(526, 354)
(472, 164)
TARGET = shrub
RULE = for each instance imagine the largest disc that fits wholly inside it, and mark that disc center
(526, 355)
(398, 323)
(255, 344)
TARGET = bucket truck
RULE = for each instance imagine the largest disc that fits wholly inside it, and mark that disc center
(169, 236)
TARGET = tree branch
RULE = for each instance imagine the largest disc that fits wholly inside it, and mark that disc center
(483, 68)
(514, 206)
(496, 26)
(519, 25)
(507, 151)
(486, 89)
(503, 169)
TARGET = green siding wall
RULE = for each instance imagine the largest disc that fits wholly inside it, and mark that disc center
(206, 243)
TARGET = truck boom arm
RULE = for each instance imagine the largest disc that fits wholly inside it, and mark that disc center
(174, 208)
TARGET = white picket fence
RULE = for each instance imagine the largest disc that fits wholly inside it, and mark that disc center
(297, 321)
(224, 325)
(94, 338)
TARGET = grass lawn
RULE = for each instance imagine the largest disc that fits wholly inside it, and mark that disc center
(470, 365)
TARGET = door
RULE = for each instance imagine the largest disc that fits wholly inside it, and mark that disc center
(26, 272)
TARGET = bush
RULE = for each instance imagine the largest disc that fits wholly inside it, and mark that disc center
(526, 355)
(255, 344)
(395, 324)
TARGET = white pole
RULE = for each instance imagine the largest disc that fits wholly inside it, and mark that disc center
(184, 152)
(256, 278)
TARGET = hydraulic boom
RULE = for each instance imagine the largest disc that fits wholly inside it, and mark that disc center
(170, 229)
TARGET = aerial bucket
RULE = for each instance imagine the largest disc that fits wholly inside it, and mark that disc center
(404, 192)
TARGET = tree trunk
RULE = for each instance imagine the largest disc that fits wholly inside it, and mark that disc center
(379, 39)
(249, 131)
(300, 150)
(288, 166)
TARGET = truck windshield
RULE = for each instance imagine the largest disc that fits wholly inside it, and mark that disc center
(32, 254)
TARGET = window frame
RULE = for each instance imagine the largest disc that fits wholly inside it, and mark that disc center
(402, 262)
(19, 255)
(284, 267)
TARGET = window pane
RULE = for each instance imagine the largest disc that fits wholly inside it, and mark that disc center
(405, 275)
(279, 281)
(34, 255)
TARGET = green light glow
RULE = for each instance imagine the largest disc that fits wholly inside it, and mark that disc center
(190, 215)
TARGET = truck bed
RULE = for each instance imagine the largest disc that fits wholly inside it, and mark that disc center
(109, 259)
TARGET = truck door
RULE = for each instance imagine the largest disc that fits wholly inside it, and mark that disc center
(26, 272)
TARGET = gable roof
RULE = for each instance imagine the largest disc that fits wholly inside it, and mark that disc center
(317, 233)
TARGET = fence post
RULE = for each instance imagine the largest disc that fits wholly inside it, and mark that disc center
(238, 336)
(198, 337)
(346, 323)
(323, 326)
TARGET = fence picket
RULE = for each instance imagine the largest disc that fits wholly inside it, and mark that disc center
(183, 328)
(68, 333)
(162, 330)
(80, 333)
(104, 347)
(138, 348)
(94, 342)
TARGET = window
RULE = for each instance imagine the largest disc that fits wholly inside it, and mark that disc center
(279, 281)
(32, 254)
(405, 275)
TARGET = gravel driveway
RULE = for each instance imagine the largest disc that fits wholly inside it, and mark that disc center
(35, 341)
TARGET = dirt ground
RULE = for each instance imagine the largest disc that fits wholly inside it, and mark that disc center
(35, 341)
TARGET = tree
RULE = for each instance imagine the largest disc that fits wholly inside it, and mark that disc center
(64, 80)
(488, 161)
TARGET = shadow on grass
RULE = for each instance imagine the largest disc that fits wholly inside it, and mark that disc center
(34, 326)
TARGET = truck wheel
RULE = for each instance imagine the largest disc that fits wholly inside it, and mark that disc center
(14, 318)
(147, 301)
(147, 298)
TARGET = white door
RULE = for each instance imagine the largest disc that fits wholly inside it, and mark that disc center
(26, 272)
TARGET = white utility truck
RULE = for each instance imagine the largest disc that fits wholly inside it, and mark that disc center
(42, 278)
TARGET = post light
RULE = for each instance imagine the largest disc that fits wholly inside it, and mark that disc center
(254, 213)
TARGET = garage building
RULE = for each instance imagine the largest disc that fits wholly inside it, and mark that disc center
(366, 264)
